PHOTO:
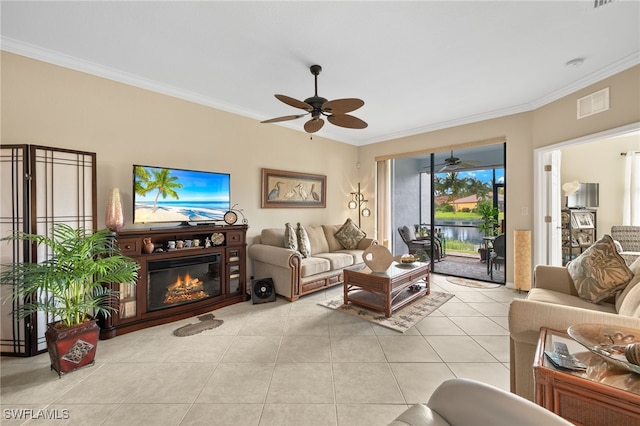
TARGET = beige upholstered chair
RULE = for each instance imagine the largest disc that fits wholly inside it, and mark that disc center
(464, 402)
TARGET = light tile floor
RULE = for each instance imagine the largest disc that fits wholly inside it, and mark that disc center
(276, 363)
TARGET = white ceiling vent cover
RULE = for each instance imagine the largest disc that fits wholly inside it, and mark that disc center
(593, 103)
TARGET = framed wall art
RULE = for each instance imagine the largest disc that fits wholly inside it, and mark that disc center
(282, 189)
(584, 219)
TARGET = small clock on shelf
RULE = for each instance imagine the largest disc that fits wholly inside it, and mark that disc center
(231, 216)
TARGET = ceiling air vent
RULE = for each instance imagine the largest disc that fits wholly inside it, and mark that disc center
(593, 103)
(600, 3)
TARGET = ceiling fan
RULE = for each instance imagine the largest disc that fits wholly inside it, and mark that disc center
(317, 106)
(454, 163)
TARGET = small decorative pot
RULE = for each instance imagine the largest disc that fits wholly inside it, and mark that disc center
(147, 245)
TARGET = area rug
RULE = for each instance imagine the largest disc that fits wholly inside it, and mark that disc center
(207, 322)
(402, 319)
(471, 283)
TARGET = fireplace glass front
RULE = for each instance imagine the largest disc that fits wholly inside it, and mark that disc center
(173, 282)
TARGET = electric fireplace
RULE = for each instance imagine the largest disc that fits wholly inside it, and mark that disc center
(182, 280)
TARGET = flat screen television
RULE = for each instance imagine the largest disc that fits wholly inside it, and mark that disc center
(587, 196)
(162, 195)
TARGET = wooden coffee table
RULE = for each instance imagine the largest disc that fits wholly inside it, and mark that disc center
(386, 291)
(603, 395)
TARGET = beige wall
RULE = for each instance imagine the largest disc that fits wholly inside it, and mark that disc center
(553, 123)
(557, 122)
(48, 105)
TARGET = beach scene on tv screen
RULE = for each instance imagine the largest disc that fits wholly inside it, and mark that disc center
(174, 195)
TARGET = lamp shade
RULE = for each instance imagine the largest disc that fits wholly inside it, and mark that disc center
(570, 187)
(114, 218)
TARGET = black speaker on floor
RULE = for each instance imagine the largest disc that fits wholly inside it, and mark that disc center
(262, 291)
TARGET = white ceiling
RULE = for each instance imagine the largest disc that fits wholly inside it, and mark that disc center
(418, 65)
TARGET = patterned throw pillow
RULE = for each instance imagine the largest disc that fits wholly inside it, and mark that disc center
(350, 235)
(599, 271)
(290, 237)
(304, 245)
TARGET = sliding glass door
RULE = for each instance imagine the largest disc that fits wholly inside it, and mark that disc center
(453, 204)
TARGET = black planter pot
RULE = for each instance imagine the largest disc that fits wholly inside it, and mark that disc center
(483, 254)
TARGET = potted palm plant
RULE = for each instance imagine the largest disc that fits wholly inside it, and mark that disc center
(488, 222)
(72, 287)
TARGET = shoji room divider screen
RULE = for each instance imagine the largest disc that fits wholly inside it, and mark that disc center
(39, 186)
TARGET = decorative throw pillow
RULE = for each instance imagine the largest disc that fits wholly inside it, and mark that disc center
(290, 237)
(619, 248)
(304, 245)
(350, 235)
(599, 271)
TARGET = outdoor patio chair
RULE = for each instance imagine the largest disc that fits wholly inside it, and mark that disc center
(498, 255)
(422, 244)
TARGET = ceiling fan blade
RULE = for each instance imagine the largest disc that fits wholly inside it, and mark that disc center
(450, 168)
(294, 102)
(313, 125)
(346, 120)
(284, 118)
(342, 106)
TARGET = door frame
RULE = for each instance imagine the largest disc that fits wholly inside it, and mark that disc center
(547, 191)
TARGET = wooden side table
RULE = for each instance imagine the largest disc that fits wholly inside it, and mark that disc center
(602, 395)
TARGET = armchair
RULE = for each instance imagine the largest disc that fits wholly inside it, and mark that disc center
(466, 402)
(498, 255)
(414, 245)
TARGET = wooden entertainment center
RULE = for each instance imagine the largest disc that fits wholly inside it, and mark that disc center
(212, 257)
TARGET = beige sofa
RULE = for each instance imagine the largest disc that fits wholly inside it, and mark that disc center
(554, 303)
(293, 275)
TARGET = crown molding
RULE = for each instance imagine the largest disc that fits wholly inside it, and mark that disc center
(593, 78)
(98, 70)
(66, 61)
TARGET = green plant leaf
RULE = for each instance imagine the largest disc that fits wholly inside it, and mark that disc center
(73, 283)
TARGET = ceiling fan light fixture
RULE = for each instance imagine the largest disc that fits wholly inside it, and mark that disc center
(334, 110)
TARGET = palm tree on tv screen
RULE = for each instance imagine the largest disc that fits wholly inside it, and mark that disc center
(141, 180)
(161, 180)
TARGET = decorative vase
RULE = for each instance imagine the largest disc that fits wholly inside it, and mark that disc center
(378, 258)
(147, 245)
(114, 219)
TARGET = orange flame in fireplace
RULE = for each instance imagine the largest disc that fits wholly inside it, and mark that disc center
(185, 289)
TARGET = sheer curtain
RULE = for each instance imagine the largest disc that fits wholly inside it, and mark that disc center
(631, 205)
(383, 202)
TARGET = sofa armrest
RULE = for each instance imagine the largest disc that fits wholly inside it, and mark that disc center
(526, 317)
(278, 256)
(554, 278)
